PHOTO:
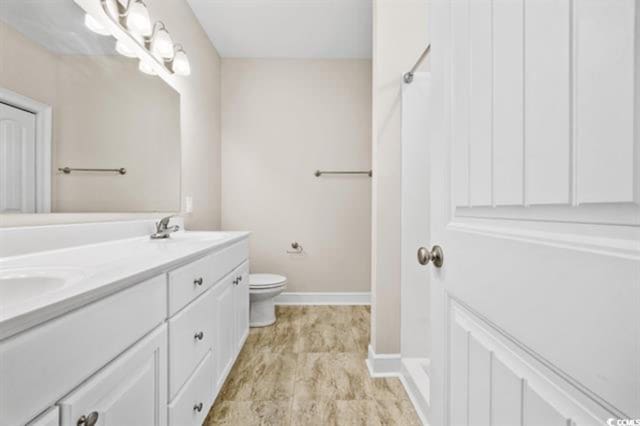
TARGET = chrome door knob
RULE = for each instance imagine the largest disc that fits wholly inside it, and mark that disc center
(436, 255)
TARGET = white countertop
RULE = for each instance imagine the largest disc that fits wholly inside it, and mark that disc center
(100, 269)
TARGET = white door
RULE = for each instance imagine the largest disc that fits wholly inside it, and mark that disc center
(17, 160)
(535, 186)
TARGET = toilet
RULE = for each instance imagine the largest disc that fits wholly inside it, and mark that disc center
(263, 288)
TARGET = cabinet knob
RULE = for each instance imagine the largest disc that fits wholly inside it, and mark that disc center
(199, 335)
(235, 282)
(198, 407)
(198, 281)
(240, 278)
(89, 420)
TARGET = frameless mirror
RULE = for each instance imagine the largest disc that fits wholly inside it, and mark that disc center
(81, 128)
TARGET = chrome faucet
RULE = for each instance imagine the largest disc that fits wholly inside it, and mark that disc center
(162, 228)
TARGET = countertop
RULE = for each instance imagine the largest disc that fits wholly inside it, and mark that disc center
(101, 269)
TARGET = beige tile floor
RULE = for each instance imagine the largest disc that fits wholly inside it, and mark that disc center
(309, 369)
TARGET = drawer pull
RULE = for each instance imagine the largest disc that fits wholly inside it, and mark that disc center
(198, 281)
(235, 282)
(240, 278)
(89, 420)
(199, 335)
(198, 407)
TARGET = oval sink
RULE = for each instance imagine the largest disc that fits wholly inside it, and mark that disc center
(17, 285)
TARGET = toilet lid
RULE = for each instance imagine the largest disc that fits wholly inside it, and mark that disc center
(266, 280)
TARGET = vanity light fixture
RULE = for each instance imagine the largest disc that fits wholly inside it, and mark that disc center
(146, 67)
(180, 63)
(95, 26)
(160, 42)
(125, 50)
(157, 51)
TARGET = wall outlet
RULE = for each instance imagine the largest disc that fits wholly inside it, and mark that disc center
(188, 204)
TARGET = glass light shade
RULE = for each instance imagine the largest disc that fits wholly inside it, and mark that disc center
(181, 64)
(125, 50)
(95, 26)
(162, 45)
(138, 21)
(112, 7)
(146, 68)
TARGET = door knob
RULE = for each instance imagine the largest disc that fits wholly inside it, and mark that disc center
(436, 255)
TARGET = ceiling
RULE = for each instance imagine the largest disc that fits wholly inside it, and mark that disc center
(287, 28)
(56, 25)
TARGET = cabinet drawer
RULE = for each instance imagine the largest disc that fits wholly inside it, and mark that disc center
(189, 281)
(187, 346)
(192, 403)
(129, 391)
(69, 349)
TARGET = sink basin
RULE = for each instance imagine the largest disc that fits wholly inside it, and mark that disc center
(18, 285)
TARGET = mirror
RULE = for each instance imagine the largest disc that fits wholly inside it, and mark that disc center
(69, 101)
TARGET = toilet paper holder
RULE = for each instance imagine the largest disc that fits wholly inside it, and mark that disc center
(297, 248)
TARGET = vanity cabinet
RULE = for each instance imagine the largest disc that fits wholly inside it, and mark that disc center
(156, 353)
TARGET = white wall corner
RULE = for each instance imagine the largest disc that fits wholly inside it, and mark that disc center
(383, 365)
(307, 298)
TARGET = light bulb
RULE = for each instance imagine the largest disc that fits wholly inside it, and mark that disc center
(181, 64)
(146, 68)
(95, 26)
(138, 20)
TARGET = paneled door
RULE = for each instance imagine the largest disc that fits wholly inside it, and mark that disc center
(535, 186)
(17, 160)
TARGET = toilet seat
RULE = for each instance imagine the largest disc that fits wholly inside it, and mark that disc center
(266, 281)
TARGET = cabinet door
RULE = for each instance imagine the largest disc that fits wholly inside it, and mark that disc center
(132, 390)
(224, 327)
(241, 302)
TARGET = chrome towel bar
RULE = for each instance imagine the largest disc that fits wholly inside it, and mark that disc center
(68, 170)
(319, 173)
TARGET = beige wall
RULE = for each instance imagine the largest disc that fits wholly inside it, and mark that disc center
(282, 120)
(399, 36)
(200, 119)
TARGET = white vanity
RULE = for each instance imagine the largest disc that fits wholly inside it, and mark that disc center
(131, 331)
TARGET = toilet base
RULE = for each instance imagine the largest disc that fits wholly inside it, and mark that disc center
(263, 308)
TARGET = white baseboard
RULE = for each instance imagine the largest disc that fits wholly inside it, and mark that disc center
(363, 298)
(416, 382)
(383, 365)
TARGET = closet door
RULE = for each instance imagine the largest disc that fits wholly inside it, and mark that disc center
(535, 202)
(17, 160)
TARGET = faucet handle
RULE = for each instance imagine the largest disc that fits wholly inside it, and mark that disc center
(163, 224)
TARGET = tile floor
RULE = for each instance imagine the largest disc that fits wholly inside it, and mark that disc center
(309, 369)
